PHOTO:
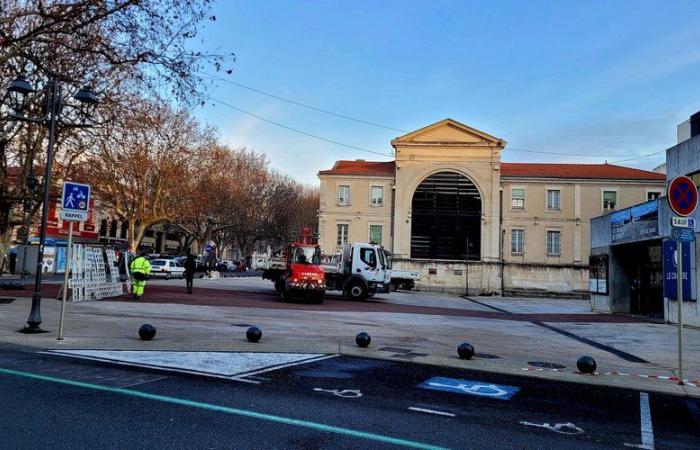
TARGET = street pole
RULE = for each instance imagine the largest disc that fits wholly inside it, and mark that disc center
(466, 267)
(679, 252)
(34, 319)
(69, 256)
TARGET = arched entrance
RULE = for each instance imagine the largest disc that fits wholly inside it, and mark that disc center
(446, 218)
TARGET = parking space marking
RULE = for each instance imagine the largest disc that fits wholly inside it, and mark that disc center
(646, 427)
(229, 410)
(561, 428)
(431, 411)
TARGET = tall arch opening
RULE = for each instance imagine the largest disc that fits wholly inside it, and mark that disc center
(446, 218)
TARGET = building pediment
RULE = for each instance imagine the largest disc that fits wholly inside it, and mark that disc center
(449, 132)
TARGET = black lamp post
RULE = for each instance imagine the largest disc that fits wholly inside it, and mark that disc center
(32, 183)
(18, 90)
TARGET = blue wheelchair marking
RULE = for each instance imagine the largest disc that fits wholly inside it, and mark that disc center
(470, 387)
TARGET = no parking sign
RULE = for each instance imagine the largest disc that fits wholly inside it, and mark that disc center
(682, 196)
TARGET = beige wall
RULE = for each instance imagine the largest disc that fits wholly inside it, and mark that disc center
(581, 200)
(359, 214)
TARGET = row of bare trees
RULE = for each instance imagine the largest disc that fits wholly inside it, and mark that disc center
(157, 165)
(149, 160)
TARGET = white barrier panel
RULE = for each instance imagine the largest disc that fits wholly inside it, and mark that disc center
(93, 278)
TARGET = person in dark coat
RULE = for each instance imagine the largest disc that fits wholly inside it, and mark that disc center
(190, 267)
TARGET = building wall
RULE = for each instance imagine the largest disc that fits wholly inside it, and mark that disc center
(358, 215)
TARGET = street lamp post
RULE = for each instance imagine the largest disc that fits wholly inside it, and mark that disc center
(32, 184)
(20, 88)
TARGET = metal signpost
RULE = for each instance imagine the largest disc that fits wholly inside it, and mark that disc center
(682, 197)
(75, 203)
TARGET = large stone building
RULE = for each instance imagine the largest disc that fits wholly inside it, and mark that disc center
(448, 207)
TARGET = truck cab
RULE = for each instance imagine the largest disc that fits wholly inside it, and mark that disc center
(360, 271)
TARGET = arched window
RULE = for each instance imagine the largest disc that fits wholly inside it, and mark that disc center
(446, 218)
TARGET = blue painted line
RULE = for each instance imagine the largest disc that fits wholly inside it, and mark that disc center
(228, 410)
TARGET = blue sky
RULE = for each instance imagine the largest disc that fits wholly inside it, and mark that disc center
(587, 78)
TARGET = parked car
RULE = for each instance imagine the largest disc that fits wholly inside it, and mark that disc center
(226, 266)
(167, 268)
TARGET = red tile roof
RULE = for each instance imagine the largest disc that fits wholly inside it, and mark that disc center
(589, 171)
(375, 168)
(520, 170)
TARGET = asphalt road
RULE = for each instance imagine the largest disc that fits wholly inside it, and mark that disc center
(341, 402)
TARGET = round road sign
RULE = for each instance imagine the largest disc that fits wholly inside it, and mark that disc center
(682, 196)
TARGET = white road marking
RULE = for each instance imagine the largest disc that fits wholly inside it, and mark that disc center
(235, 366)
(561, 428)
(431, 411)
(346, 393)
(645, 420)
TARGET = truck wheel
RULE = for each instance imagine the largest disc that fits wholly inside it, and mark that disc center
(357, 291)
(394, 286)
(279, 286)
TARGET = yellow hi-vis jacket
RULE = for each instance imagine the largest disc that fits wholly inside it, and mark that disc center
(141, 265)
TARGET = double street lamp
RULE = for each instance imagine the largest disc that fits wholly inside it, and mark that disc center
(19, 89)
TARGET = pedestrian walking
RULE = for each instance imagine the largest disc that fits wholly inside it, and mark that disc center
(140, 268)
(190, 268)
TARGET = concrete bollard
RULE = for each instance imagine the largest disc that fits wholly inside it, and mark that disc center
(363, 339)
(147, 332)
(465, 350)
(253, 334)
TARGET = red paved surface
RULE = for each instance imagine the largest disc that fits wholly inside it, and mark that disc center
(246, 299)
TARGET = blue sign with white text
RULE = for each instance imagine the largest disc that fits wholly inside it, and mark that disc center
(671, 271)
(470, 387)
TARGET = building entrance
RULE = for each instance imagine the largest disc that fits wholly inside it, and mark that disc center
(446, 218)
(642, 263)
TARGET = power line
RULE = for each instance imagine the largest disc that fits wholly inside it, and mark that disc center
(638, 157)
(303, 105)
(264, 119)
(367, 122)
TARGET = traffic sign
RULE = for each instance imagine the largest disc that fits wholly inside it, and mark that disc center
(682, 196)
(75, 201)
(470, 387)
(683, 222)
(683, 234)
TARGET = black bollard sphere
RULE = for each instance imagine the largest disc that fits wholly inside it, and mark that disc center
(147, 331)
(586, 364)
(465, 350)
(253, 334)
(363, 339)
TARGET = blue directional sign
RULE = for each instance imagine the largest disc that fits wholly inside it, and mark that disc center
(683, 234)
(75, 201)
(470, 387)
(671, 270)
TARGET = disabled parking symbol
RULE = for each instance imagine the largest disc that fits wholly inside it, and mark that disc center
(470, 387)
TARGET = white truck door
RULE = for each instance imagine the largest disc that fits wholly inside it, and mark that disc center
(367, 263)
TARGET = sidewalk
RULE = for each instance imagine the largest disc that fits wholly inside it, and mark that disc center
(423, 328)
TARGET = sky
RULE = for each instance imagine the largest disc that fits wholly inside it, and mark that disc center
(595, 80)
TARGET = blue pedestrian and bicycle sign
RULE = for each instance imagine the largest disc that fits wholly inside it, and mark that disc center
(470, 387)
(75, 201)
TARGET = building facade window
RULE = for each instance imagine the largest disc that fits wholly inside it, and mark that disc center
(375, 234)
(517, 198)
(554, 242)
(343, 229)
(653, 195)
(377, 196)
(609, 200)
(517, 241)
(553, 199)
(343, 195)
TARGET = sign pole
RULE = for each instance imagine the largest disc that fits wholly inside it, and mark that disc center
(69, 256)
(679, 252)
